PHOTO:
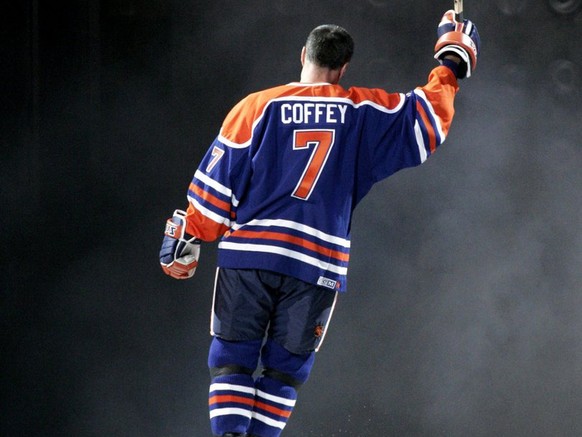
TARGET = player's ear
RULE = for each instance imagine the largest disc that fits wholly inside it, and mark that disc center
(343, 69)
(303, 52)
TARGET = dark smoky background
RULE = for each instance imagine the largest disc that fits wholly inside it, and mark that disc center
(464, 310)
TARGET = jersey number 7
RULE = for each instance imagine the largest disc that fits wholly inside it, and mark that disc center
(322, 141)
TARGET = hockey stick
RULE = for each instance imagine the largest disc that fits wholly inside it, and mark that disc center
(458, 11)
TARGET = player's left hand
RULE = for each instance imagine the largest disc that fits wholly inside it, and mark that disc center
(180, 252)
(459, 39)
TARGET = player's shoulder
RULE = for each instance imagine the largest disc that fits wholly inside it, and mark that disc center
(253, 104)
(268, 94)
(375, 97)
(238, 125)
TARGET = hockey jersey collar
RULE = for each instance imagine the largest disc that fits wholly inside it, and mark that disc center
(308, 84)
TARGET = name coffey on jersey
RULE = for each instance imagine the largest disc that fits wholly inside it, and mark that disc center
(313, 113)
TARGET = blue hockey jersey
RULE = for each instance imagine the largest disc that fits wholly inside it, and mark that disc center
(281, 180)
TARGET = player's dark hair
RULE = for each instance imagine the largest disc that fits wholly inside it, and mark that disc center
(329, 46)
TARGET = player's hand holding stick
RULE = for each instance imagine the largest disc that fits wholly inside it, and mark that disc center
(459, 38)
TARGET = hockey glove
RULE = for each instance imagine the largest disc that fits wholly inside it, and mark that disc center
(460, 39)
(180, 251)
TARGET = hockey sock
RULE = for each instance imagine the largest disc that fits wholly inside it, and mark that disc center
(276, 389)
(230, 401)
(274, 403)
(232, 391)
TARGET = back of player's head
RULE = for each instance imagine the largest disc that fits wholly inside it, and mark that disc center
(329, 46)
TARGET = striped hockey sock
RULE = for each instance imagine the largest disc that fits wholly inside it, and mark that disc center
(231, 400)
(274, 402)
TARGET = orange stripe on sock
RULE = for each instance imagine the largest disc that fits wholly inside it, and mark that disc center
(273, 410)
(219, 399)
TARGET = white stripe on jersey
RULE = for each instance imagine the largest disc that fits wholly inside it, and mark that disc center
(268, 420)
(212, 183)
(343, 100)
(234, 145)
(381, 108)
(283, 401)
(207, 213)
(420, 142)
(298, 227)
(436, 118)
(249, 247)
(216, 185)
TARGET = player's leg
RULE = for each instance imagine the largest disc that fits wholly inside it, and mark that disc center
(302, 314)
(232, 391)
(276, 389)
(240, 316)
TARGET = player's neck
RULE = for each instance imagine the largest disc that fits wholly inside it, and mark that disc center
(312, 74)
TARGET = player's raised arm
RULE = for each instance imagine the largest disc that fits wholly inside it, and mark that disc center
(427, 112)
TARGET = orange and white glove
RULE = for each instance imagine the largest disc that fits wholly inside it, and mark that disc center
(180, 252)
(460, 39)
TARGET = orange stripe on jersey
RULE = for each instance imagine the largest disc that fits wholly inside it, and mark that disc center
(205, 195)
(202, 227)
(272, 409)
(293, 240)
(429, 128)
(221, 399)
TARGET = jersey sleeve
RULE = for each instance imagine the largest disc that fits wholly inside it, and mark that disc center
(415, 127)
(220, 179)
(224, 173)
(210, 199)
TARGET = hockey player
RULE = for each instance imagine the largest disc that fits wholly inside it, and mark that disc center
(278, 187)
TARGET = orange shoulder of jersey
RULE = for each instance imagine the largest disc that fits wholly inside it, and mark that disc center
(236, 131)
(238, 125)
